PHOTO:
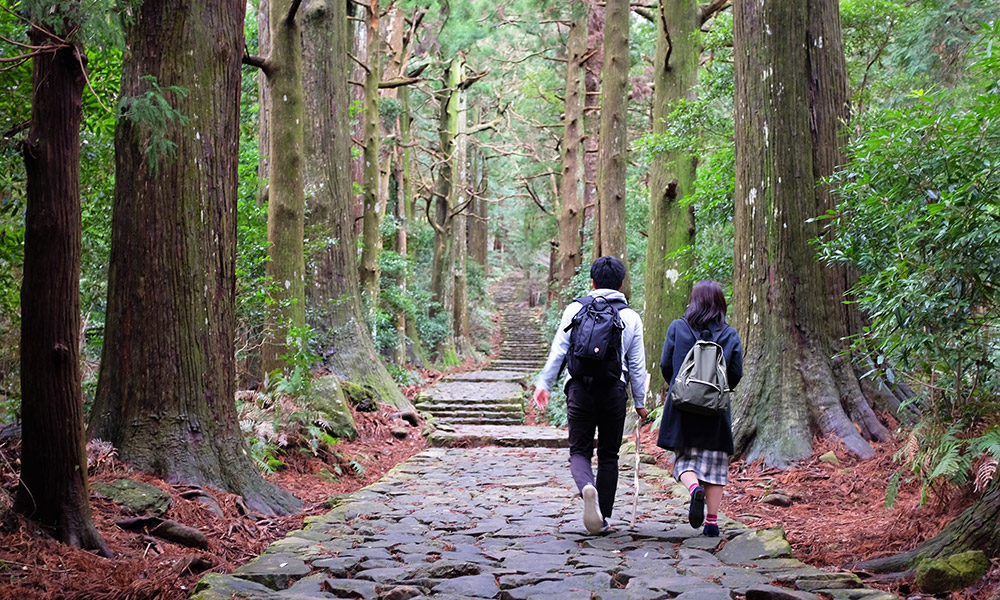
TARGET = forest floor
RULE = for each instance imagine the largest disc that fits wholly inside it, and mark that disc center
(838, 517)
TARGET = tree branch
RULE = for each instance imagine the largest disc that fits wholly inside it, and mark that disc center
(398, 82)
(294, 8)
(535, 198)
(710, 10)
(256, 61)
(361, 64)
(645, 14)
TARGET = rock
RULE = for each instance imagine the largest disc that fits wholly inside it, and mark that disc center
(951, 573)
(470, 586)
(362, 397)
(332, 404)
(216, 586)
(755, 545)
(327, 475)
(273, 570)
(830, 458)
(830, 581)
(777, 500)
(136, 497)
(399, 433)
(350, 588)
(401, 592)
(772, 592)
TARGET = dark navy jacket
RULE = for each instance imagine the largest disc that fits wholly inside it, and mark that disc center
(686, 430)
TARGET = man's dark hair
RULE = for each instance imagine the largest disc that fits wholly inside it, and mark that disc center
(708, 305)
(608, 273)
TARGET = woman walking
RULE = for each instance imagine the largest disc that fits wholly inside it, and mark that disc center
(702, 444)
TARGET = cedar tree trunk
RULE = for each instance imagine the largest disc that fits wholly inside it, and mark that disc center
(165, 394)
(671, 178)
(611, 158)
(569, 208)
(53, 486)
(791, 389)
(334, 293)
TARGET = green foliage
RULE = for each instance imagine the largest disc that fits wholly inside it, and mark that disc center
(295, 379)
(918, 220)
(152, 116)
(556, 412)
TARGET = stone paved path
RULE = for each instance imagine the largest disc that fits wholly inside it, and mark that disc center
(503, 521)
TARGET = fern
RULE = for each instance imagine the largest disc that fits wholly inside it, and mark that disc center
(986, 469)
(892, 490)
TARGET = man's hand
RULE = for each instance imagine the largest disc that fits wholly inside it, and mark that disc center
(541, 398)
(642, 412)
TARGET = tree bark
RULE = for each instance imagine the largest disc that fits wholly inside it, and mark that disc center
(569, 258)
(286, 197)
(611, 158)
(671, 225)
(480, 225)
(459, 226)
(441, 284)
(591, 123)
(790, 390)
(830, 111)
(165, 394)
(53, 485)
(334, 293)
(373, 201)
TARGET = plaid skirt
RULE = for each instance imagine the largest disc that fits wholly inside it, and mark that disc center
(711, 466)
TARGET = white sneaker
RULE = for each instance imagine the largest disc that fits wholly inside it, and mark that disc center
(592, 518)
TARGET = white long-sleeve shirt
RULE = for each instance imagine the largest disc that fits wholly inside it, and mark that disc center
(633, 352)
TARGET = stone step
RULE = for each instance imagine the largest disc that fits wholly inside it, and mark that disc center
(472, 391)
(520, 436)
(480, 408)
(488, 375)
(479, 420)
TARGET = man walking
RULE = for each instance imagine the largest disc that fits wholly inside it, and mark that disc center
(595, 388)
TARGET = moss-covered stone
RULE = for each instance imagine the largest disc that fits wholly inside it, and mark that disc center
(361, 397)
(136, 497)
(331, 402)
(951, 573)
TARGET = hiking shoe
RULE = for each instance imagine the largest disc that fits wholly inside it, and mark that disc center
(696, 512)
(710, 530)
(592, 518)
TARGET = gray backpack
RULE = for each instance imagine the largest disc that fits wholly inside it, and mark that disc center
(701, 386)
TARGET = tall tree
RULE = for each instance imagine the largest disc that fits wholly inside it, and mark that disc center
(569, 258)
(372, 199)
(165, 393)
(791, 388)
(286, 197)
(671, 178)
(334, 293)
(444, 194)
(460, 199)
(53, 485)
(479, 230)
(611, 158)
(592, 122)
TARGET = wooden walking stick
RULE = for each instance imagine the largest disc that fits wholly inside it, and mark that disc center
(635, 498)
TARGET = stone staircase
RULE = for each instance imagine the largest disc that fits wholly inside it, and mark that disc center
(487, 407)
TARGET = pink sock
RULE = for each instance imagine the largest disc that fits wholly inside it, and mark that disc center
(692, 487)
(711, 519)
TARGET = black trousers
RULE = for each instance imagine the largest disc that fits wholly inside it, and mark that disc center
(600, 407)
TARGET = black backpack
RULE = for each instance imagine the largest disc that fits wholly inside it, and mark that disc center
(595, 340)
